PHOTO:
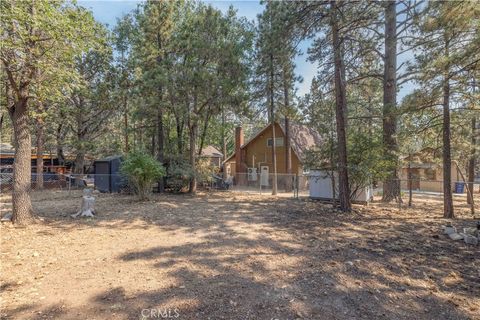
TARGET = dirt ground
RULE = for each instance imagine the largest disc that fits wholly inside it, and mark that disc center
(236, 256)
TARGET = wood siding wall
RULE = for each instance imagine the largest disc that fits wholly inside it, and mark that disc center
(257, 154)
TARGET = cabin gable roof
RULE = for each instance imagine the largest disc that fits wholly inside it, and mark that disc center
(302, 138)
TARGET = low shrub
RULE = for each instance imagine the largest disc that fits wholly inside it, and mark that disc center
(142, 170)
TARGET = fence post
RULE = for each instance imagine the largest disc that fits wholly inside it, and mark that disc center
(409, 183)
(296, 184)
(260, 182)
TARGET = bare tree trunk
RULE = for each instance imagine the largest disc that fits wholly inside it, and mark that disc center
(288, 147)
(204, 133)
(332, 155)
(410, 182)
(40, 146)
(447, 159)
(193, 138)
(471, 162)
(288, 150)
(22, 166)
(334, 192)
(153, 141)
(125, 104)
(7, 103)
(340, 98)
(59, 139)
(79, 162)
(224, 137)
(160, 146)
(288, 155)
(459, 171)
(160, 128)
(224, 142)
(193, 125)
(179, 127)
(274, 160)
(125, 123)
(272, 120)
(391, 188)
(80, 132)
(160, 137)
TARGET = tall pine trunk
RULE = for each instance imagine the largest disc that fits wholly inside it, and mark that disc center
(153, 140)
(79, 162)
(274, 160)
(59, 141)
(203, 135)
(160, 146)
(272, 121)
(391, 186)
(22, 165)
(160, 129)
(447, 159)
(125, 124)
(471, 161)
(39, 147)
(193, 138)
(193, 127)
(179, 127)
(288, 157)
(340, 111)
(288, 150)
(288, 147)
(224, 143)
(80, 157)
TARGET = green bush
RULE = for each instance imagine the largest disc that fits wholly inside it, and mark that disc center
(142, 170)
(366, 162)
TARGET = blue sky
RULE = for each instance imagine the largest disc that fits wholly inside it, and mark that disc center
(107, 12)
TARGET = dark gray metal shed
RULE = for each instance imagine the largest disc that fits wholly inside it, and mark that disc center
(107, 174)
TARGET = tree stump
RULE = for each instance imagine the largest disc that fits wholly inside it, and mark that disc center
(88, 203)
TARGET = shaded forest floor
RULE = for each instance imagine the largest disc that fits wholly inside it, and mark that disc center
(236, 256)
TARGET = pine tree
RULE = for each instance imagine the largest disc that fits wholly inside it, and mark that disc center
(274, 71)
(449, 39)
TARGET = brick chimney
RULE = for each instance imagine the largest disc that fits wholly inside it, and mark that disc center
(239, 140)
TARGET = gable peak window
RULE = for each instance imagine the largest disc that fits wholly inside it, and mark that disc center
(278, 142)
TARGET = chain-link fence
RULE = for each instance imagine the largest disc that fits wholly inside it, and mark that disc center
(414, 192)
(287, 184)
(436, 186)
(424, 195)
(56, 181)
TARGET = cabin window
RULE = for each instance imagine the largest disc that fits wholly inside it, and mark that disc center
(278, 142)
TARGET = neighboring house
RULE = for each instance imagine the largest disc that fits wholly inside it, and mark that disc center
(256, 154)
(7, 154)
(52, 171)
(427, 172)
(50, 161)
(212, 153)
